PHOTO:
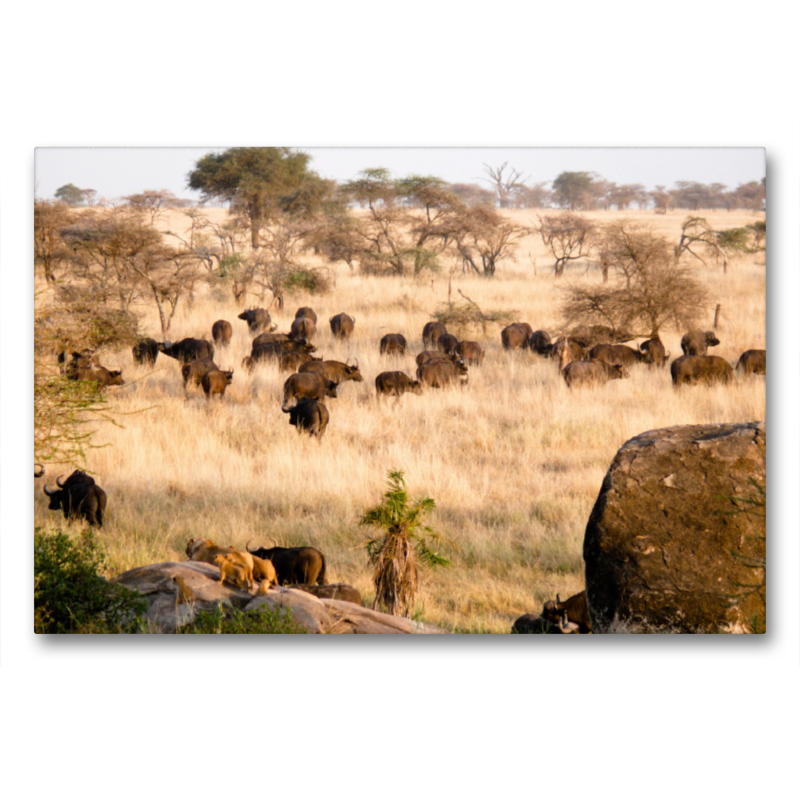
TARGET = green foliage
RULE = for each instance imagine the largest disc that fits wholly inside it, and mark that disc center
(70, 194)
(313, 281)
(231, 620)
(69, 594)
(573, 189)
(461, 316)
(395, 552)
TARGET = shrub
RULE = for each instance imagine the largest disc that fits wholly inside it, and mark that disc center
(69, 594)
(231, 620)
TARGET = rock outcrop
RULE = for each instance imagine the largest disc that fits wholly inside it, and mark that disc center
(676, 542)
(316, 614)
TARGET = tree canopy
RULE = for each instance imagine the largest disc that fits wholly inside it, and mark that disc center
(259, 182)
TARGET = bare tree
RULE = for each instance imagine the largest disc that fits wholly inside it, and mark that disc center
(483, 236)
(49, 248)
(569, 236)
(152, 203)
(651, 288)
(506, 186)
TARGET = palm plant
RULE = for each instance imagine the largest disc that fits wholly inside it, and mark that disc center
(397, 552)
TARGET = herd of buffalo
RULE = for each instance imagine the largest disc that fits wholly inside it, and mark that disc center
(587, 356)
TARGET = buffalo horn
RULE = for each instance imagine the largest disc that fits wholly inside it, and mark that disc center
(47, 492)
(58, 481)
(41, 470)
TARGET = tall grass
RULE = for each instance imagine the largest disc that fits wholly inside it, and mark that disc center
(514, 461)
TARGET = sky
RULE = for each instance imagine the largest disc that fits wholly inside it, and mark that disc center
(116, 172)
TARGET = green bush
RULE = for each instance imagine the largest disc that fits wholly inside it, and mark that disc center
(231, 620)
(69, 594)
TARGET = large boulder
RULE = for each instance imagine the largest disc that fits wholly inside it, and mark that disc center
(676, 542)
(167, 613)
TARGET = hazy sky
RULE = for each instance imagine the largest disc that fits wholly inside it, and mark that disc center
(114, 172)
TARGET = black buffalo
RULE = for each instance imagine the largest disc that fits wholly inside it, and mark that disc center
(335, 371)
(395, 384)
(655, 351)
(342, 326)
(470, 352)
(101, 376)
(393, 344)
(309, 416)
(291, 362)
(700, 369)
(696, 343)
(581, 373)
(753, 362)
(306, 312)
(257, 319)
(145, 351)
(432, 332)
(215, 381)
(617, 354)
(439, 374)
(448, 344)
(516, 335)
(294, 564)
(577, 610)
(303, 328)
(187, 350)
(195, 370)
(221, 332)
(79, 496)
(540, 342)
(306, 384)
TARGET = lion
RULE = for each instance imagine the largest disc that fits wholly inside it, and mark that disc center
(185, 594)
(264, 571)
(234, 571)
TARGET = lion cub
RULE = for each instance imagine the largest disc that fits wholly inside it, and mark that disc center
(233, 571)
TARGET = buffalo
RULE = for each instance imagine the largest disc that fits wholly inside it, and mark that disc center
(566, 351)
(753, 362)
(528, 623)
(334, 371)
(342, 326)
(309, 416)
(195, 370)
(101, 376)
(257, 319)
(215, 381)
(516, 335)
(306, 312)
(700, 369)
(576, 608)
(79, 496)
(470, 352)
(447, 344)
(617, 354)
(221, 332)
(187, 350)
(439, 374)
(432, 332)
(270, 338)
(294, 564)
(84, 360)
(540, 343)
(291, 362)
(395, 384)
(580, 373)
(655, 351)
(393, 344)
(696, 343)
(306, 384)
(303, 328)
(145, 351)
(426, 356)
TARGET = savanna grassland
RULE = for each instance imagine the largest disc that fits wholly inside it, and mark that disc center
(514, 462)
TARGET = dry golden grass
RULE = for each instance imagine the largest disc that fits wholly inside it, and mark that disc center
(514, 462)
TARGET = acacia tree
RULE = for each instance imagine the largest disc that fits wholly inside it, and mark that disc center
(482, 236)
(69, 194)
(651, 288)
(151, 202)
(697, 233)
(574, 190)
(49, 248)
(569, 237)
(259, 182)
